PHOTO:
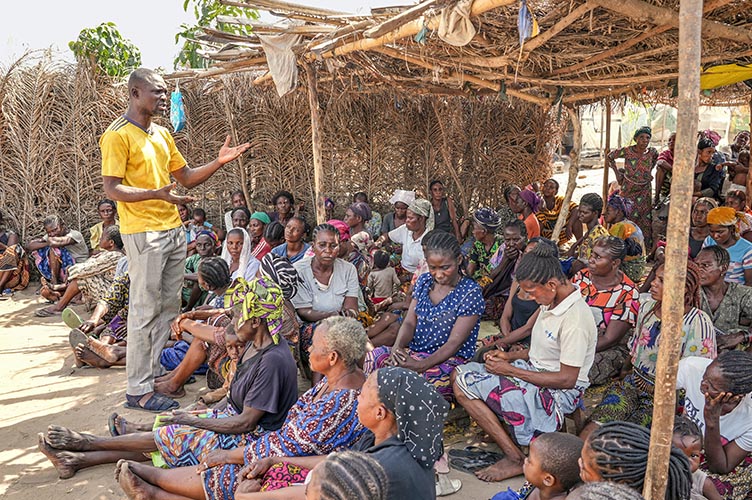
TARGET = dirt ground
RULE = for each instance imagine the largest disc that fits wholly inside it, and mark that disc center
(40, 385)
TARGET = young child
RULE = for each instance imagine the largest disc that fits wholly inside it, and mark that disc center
(199, 221)
(235, 349)
(382, 281)
(688, 438)
(550, 469)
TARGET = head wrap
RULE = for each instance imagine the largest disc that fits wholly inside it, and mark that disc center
(259, 298)
(282, 272)
(211, 235)
(621, 203)
(328, 203)
(643, 130)
(362, 242)
(714, 137)
(723, 216)
(262, 216)
(420, 412)
(342, 228)
(487, 218)
(362, 210)
(245, 253)
(705, 142)
(402, 196)
(424, 209)
(531, 198)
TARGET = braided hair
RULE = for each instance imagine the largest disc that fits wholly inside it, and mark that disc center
(594, 201)
(605, 491)
(442, 243)
(618, 248)
(720, 255)
(349, 475)
(686, 427)
(540, 265)
(620, 451)
(324, 228)
(736, 367)
(274, 231)
(691, 285)
(215, 272)
(113, 234)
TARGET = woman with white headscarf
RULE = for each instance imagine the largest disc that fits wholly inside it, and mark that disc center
(236, 251)
(400, 200)
(418, 221)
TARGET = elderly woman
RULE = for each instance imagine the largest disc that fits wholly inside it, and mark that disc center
(329, 285)
(613, 300)
(636, 176)
(323, 420)
(441, 326)
(531, 390)
(700, 230)
(632, 398)
(284, 207)
(14, 267)
(589, 214)
(708, 172)
(356, 217)
(373, 226)
(241, 217)
(237, 253)
(418, 221)
(723, 232)
(617, 215)
(717, 399)
(526, 205)
(237, 200)
(400, 200)
(729, 305)
(106, 211)
(262, 392)
(294, 248)
(444, 213)
(486, 253)
(256, 227)
(549, 211)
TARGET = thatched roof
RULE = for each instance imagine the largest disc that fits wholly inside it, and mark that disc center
(586, 49)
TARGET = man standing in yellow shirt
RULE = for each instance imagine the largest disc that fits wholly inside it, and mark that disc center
(138, 158)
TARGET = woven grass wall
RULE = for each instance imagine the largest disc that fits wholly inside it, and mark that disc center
(52, 116)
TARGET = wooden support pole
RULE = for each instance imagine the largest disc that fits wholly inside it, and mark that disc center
(557, 28)
(749, 177)
(236, 140)
(607, 150)
(316, 127)
(574, 170)
(672, 309)
(400, 19)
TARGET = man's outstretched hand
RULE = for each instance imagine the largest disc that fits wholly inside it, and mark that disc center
(227, 154)
(166, 194)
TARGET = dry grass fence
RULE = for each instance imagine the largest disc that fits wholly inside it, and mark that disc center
(53, 114)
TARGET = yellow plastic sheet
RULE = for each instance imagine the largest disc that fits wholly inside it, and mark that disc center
(726, 74)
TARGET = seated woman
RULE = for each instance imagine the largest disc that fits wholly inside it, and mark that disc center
(588, 213)
(236, 251)
(329, 286)
(497, 291)
(632, 398)
(14, 268)
(708, 178)
(93, 277)
(284, 207)
(357, 216)
(262, 392)
(531, 390)
(717, 399)
(444, 212)
(373, 226)
(487, 251)
(241, 217)
(274, 234)
(617, 213)
(418, 222)
(192, 294)
(613, 300)
(324, 419)
(525, 206)
(723, 232)
(729, 305)
(256, 228)
(294, 248)
(617, 452)
(107, 212)
(700, 230)
(549, 211)
(441, 326)
(54, 253)
(737, 200)
(400, 200)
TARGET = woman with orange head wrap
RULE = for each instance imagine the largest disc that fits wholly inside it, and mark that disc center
(724, 233)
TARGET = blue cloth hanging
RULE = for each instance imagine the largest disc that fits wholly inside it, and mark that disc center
(177, 110)
(527, 26)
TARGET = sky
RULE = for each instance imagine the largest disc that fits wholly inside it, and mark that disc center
(150, 24)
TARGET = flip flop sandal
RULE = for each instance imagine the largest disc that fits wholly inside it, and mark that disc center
(45, 313)
(446, 486)
(191, 380)
(469, 465)
(76, 337)
(157, 403)
(115, 428)
(71, 319)
(477, 453)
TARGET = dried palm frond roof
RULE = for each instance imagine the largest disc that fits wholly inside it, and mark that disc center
(586, 49)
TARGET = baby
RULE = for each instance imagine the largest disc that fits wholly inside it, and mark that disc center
(688, 438)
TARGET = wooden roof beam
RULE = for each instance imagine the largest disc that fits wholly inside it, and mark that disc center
(281, 6)
(271, 28)
(557, 28)
(400, 19)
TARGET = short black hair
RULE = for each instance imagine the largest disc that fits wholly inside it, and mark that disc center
(106, 201)
(200, 212)
(593, 200)
(560, 458)
(380, 259)
(686, 427)
(285, 194)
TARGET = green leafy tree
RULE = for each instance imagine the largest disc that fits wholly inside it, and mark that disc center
(106, 50)
(207, 12)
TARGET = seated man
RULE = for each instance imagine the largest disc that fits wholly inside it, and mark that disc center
(54, 253)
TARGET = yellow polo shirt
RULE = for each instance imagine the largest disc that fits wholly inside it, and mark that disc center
(145, 160)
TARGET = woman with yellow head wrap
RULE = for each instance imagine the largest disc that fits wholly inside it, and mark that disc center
(724, 233)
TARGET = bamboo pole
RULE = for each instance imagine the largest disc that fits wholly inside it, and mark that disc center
(574, 170)
(316, 127)
(672, 310)
(607, 150)
(236, 139)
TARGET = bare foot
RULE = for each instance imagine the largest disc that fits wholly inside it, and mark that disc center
(164, 378)
(169, 389)
(86, 356)
(503, 469)
(66, 468)
(62, 438)
(125, 427)
(104, 351)
(133, 486)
